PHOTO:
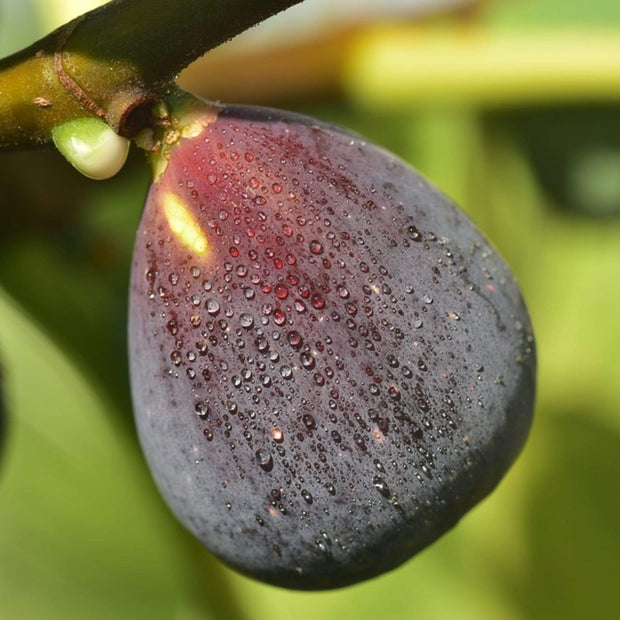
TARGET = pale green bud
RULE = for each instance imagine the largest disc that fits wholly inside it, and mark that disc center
(91, 147)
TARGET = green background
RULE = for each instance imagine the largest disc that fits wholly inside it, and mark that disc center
(84, 534)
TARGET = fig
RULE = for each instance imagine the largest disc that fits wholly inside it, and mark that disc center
(330, 364)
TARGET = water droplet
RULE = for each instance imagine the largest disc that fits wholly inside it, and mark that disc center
(262, 344)
(351, 309)
(202, 410)
(279, 316)
(308, 421)
(316, 247)
(307, 496)
(307, 361)
(393, 361)
(379, 465)
(246, 320)
(286, 372)
(379, 483)
(343, 292)
(281, 291)
(317, 301)
(264, 459)
(359, 442)
(212, 306)
(294, 339)
(414, 234)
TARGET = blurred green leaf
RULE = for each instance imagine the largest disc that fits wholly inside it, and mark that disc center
(19, 25)
(572, 522)
(77, 271)
(553, 13)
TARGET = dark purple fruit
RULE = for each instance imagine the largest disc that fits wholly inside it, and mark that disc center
(330, 364)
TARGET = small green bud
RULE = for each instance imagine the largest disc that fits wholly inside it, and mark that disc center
(91, 147)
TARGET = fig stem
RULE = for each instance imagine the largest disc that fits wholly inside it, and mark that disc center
(114, 63)
(179, 115)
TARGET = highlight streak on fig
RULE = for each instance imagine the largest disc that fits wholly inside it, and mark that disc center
(183, 224)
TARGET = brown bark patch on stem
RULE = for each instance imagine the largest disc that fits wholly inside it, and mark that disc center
(70, 85)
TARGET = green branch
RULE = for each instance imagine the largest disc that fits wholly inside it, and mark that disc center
(114, 62)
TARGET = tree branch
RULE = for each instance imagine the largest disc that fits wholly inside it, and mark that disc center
(114, 62)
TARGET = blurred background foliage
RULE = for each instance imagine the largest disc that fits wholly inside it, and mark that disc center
(512, 107)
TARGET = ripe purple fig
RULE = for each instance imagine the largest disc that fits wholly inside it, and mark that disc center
(330, 364)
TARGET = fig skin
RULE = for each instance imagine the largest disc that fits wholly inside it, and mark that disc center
(330, 365)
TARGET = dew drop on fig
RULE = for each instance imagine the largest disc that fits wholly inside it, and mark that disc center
(202, 410)
(213, 307)
(279, 317)
(246, 320)
(318, 301)
(307, 361)
(264, 459)
(281, 291)
(309, 421)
